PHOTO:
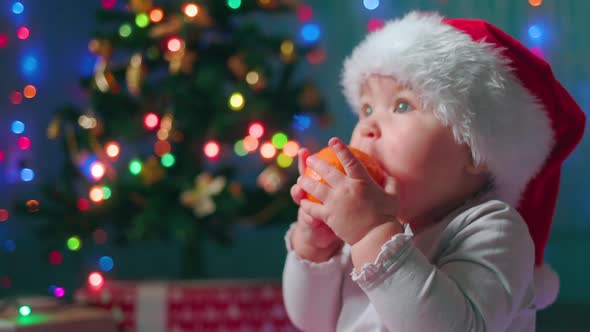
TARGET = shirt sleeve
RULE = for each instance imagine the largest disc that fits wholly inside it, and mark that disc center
(311, 291)
(482, 279)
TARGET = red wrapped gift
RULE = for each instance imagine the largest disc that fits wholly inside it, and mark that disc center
(228, 305)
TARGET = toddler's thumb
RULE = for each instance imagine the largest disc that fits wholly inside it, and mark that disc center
(390, 185)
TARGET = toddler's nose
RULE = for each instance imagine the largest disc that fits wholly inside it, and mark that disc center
(370, 130)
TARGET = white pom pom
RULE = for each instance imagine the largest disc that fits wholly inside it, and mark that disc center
(546, 286)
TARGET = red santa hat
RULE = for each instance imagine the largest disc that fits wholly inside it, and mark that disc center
(497, 96)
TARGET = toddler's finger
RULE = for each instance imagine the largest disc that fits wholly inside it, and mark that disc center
(302, 158)
(297, 194)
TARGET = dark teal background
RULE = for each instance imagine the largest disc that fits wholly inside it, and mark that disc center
(60, 33)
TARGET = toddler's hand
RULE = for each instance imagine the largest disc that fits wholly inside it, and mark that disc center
(353, 203)
(312, 238)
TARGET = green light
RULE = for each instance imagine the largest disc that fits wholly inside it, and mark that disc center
(234, 4)
(135, 166)
(106, 192)
(239, 148)
(279, 140)
(142, 20)
(284, 161)
(168, 160)
(125, 30)
(74, 243)
(24, 310)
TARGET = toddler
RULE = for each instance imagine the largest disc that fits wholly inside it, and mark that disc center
(471, 129)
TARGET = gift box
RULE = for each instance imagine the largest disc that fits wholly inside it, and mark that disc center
(205, 306)
(61, 318)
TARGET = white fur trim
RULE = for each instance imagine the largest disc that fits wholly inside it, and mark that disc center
(546, 286)
(468, 85)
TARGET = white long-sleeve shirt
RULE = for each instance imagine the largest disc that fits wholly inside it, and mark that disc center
(472, 271)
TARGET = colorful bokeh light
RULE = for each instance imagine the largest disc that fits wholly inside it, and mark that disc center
(256, 129)
(74, 243)
(211, 149)
(267, 150)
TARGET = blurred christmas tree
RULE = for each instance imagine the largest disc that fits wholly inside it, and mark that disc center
(189, 128)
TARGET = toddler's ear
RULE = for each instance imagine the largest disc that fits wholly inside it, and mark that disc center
(473, 169)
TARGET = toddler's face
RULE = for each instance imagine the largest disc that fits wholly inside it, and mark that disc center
(414, 147)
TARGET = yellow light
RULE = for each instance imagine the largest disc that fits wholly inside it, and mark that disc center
(287, 47)
(87, 122)
(112, 149)
(284, 161)
(163, 134)
(250, 143)
(236, 101)
(252, 77)
(96, 194)
(191, 10)
(291, 149)
(267, 150)
(156, 15)
(97, 170)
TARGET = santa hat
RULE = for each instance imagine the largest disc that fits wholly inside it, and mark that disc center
(499, 98)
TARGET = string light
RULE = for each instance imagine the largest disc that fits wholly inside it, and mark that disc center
(371, 4)
(125, 30)
(161, 148)
(32, 205)
(74, 243)
(236, 101)
(316, 56)
(24, 310)
(279, 139)
(59, 292)
(108, 4)
(30, 91)
(287, 48)
(175, 44)
(3, 215)
(250, 143)
(17, 127)
(310, 32)
(150, 121)
(9, 245)
(16, 97)
(17, 8)
(23, 143)
(267, 150)
(106, 263)
(55, 257)
(83, 204)
(156, 15)
(304, 13)
(2, 156)
(291, 149)
(106, 192)
(100, 236)
(211, 149)
(168, 160)
(239, 148)
(29, 65)
(301, 121)
(191, 10)
(112, 149)
(252, 77)
(96, 194)
(3, 40)
(535, 3)
(23, 33)
(284, 161)
(535, 32)
(234, 4)
(95, 280)
(375, 24)
(27, 174)
(97, 170)
(142, 20)
(135, 166)
(256, 129)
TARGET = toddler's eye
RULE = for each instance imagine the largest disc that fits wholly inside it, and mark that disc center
(403, 107)
(366, 110)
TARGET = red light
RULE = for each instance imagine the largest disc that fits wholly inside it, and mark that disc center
(95, 280)
(108, 4)
(316, 56)
(16, 97)
(6, 282)
(83, 204)
(100, 236)
(161, 148)
(150, 121)
(174, 44)
(211, 149)
(3, 40)
(23, 143)
(2, 156)
(256, 130)
(23, 33)
(3, 215)
(304, 13)
(55, 257)
(374, 24)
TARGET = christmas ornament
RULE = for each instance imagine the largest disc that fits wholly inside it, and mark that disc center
(200, 197)
(328, 155)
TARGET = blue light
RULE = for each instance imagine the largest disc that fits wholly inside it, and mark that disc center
(18, 8)
(301, 121)
(535, 31)
(310, 32)
(106, 263)
(52, 289)
(29, 65)
(27, 174)
(18, 127)
(371, 4)
(9, 245)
